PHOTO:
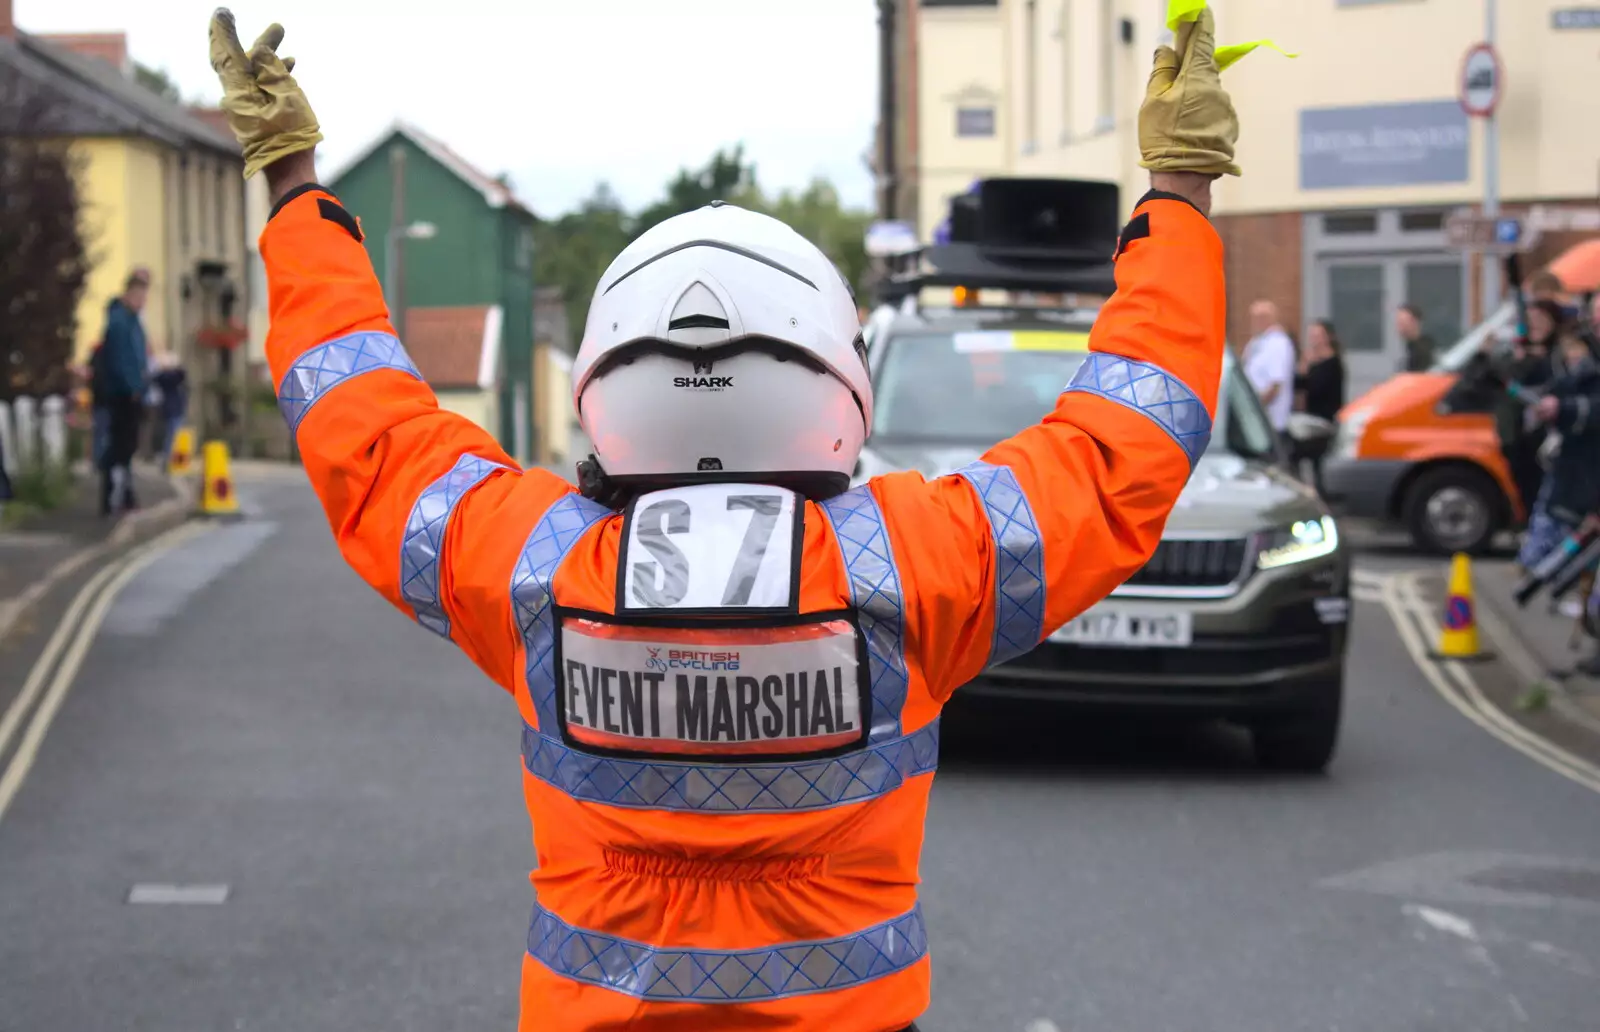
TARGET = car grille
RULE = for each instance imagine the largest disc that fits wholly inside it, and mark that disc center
(1182, 563)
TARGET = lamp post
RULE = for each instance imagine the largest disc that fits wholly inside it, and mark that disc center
(394, 268)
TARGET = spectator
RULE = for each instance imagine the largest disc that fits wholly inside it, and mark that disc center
(1320, 379)
(1419, 346)
(1569, 404)
(125, 363)
(1528, 368)
(173, 383)
(100, 414)
(1269, 364)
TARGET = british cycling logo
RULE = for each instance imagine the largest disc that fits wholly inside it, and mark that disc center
(689, 659)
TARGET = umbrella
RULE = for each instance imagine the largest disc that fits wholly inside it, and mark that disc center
(1579, 268)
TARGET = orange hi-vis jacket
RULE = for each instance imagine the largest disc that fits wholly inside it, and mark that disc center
(730, 696)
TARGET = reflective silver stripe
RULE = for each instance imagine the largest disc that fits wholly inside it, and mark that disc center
(326, 366)
(1154, 392)
(1019, 560)
(561, 525)
(647, 972)
(425, 527)
(728, 787)
(875, 593)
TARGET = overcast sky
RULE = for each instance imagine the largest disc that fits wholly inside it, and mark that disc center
(560, 95)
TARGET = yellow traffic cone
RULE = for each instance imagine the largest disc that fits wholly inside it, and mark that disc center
(181, 463)
(1458, 634)
(217, 494)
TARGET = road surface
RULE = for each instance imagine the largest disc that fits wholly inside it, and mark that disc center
(335, 796)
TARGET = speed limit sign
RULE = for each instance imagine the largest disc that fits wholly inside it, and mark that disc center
(1480, 81)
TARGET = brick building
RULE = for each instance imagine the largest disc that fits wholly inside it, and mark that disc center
(1351, 164)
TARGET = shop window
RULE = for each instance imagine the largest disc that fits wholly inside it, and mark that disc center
(1351, 224)
(1421, 221)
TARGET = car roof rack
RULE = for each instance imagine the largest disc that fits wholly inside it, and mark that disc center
(1042, 235)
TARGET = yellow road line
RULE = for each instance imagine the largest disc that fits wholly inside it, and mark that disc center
(96, 597)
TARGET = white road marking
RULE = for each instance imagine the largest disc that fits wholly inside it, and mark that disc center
(161, 594)
(1455, 684)
(80, 623)
(1040, 1025)
(1443, 921)
(178, 894)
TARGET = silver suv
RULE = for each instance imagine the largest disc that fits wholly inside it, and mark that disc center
(1241, 613)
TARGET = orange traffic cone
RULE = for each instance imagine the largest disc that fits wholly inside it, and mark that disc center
(1458, 634)
(218, 496)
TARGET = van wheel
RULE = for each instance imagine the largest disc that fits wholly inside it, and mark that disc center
(1302, 741)
(1453, 509)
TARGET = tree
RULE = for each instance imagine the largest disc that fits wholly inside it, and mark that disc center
(816, 214)
(157, 81)
(44, 264)
(726, 177)
(572, 252)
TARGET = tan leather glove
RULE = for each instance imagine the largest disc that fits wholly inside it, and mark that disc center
(267, 110)
(1187, 122)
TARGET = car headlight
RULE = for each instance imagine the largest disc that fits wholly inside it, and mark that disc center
(1347, 441)
(1306, 540)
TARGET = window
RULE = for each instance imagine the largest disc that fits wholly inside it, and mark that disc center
(183, 200)
(1030, 33)
(202, 188)
(975, 121)
(1108, 61)
(258, 278)
(1356, 304)
(524, 249)
(1350, 224)
(222, 210)
(1421, 221)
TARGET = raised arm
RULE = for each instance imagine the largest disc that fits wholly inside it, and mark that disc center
(399, 478)
(1049, 522)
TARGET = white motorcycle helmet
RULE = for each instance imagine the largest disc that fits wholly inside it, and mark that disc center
(723, 346)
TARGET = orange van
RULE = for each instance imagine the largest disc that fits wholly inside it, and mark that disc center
(1408, 452)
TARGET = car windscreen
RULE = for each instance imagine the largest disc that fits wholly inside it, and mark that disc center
(980, 385)
(1502, 322)
(983, 386)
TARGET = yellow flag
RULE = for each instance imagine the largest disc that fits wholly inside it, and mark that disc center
(1180, 11)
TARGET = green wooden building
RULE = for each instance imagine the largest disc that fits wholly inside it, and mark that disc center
(465, 284)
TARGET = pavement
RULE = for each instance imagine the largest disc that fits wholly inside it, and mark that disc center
(1541, 644)
(331, 799)
(53, 546)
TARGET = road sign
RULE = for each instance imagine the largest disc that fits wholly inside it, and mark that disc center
(1564, 220)
(1575, 18)
(1471, 231)
(1480, 81)
(889, 239)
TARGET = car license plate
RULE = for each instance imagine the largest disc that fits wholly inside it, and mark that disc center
(1120, 627)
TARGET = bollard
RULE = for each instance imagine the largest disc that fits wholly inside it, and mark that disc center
(218, 497)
